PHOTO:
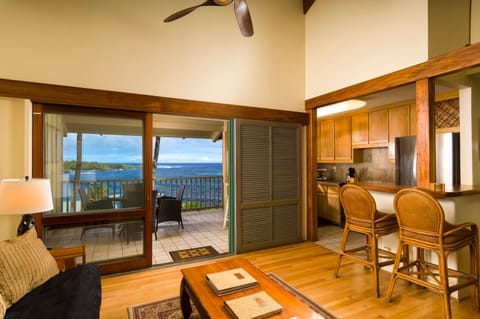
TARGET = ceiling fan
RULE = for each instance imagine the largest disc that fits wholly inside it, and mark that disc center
(241, 13)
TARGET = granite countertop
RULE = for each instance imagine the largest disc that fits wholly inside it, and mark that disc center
(450, 190)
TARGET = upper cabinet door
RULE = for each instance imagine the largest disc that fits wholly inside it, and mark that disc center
(326, 140)
(378, 127)
(360, 129)
(334, 140)
(399, 118)
(343, 139)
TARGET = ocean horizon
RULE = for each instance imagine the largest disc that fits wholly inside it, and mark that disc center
(190, 174)
(164, 170)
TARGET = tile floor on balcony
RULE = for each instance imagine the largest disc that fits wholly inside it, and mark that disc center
(201, 228)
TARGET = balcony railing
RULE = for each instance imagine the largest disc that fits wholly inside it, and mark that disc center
(203, 192)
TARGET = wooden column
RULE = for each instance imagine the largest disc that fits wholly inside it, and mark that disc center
(425, 97)
(312, 205)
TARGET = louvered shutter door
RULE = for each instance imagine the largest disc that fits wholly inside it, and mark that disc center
(268, 207)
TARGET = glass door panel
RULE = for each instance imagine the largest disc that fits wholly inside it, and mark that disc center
(95, 163)
(96, 167)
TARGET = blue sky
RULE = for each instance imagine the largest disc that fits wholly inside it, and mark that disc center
(128, 149)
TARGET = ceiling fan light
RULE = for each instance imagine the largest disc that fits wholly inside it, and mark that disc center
(340, 107)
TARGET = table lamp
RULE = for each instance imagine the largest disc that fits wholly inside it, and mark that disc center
(25, 197)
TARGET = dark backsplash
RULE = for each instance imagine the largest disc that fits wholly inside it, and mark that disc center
(375, 167)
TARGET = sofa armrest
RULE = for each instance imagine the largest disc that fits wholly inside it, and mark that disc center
(66, 257)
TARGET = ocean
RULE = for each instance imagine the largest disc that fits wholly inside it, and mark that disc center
(164, 170)
(199, 191)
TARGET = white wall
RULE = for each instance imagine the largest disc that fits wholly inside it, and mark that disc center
(124, 45)
(15, 146)
(449, 25)
(350, 41)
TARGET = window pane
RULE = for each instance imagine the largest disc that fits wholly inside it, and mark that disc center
(94, 163)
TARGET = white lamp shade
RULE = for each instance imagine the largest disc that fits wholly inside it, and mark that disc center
(20, 196)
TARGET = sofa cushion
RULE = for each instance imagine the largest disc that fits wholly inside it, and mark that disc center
(25, 263)
(73, 294)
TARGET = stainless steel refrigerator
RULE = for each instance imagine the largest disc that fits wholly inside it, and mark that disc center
(447, 149)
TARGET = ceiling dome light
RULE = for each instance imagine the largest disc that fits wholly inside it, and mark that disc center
(340, 107)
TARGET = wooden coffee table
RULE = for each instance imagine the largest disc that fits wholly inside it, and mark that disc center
(194, 287)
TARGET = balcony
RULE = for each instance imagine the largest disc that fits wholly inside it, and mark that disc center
(201, 192)
(202, 214)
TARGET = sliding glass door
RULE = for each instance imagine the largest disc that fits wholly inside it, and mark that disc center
(101, 182)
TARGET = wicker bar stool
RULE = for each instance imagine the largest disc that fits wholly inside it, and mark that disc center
(362, 216)
(422, 225)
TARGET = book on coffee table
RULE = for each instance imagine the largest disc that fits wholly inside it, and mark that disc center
(254, 306)
(224, 282)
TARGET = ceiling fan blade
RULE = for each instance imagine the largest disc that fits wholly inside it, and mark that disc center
(186, 11)
(243, 17)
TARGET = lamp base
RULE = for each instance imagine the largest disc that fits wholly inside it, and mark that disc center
(26, 223)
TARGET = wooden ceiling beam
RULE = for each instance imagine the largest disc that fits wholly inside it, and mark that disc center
(68, 95)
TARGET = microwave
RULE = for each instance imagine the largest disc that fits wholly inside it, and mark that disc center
(322, 174)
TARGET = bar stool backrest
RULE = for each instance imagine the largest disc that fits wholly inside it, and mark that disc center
(357, 203)
(419, 215)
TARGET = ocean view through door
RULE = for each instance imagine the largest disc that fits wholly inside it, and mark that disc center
(109, 185)
(191, 153)
(202, 213)
(99, 166)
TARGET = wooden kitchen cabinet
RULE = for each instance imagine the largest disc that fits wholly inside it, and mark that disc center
(322, 194)
(333, 210)
(398, 126)
(343, 139)
(378, 127)
(334, 140)
(326, 140)
(329, 204)
(360, 129)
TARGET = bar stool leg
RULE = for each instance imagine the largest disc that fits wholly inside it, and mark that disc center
(474, 268)
(374, 262)
(342, 251)
(400, 249)
(443, 272)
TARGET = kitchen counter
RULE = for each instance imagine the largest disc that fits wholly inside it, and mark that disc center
(450, 190)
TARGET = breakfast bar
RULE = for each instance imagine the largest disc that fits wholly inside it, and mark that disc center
(460, 203)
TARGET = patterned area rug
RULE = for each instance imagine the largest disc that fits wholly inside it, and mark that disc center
(161, 309)
(170, 308)
(187, 254)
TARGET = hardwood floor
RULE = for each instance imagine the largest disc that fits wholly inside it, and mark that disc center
(306, 266)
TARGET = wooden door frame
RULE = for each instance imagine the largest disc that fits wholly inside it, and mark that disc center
(135, 262)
